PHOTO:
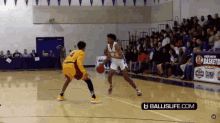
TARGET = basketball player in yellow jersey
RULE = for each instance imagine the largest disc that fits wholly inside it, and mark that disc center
(73, 67)
(117, 60)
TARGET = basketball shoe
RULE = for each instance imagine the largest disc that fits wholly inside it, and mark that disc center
(61, 98)
(139, 93)
(96, 100)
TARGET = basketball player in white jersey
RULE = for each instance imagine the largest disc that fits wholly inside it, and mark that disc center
(117, 60)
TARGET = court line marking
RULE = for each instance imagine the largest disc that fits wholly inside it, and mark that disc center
(137, 106)
(125, 102)
(93, 117)
(133, 105)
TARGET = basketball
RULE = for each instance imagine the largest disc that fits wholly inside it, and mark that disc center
(100, 69)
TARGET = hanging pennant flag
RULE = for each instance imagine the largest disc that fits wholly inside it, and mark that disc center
(134, 2)
(158, 1)
(48, 1)
(103, 2)
(80, 2)
(154, 1)
(5, 2)
(58, 2)
(145, 2)
(15, 2)
(91, 1)
(113, 1)
(124, 2)
(37, 2)
(69, 2)
(26, 2)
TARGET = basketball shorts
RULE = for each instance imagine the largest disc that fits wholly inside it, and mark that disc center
(72, 70)
(119, 63)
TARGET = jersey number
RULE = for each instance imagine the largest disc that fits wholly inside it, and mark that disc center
(114, 54)
(71, 55)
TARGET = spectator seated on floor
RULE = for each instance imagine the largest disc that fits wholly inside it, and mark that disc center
(187, 68)
(143, 60)
(182, 58)
(165, 58)
(154, 59)
(171, 64)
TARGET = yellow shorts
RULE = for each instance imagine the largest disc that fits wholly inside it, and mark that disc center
(72, 70)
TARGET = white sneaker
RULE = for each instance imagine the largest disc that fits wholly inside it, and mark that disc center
(173, 76)
(177, 77)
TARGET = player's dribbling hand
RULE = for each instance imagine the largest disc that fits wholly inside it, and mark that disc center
(100, 65)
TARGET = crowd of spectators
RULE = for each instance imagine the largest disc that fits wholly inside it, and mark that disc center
(17, 54)
(169, 53)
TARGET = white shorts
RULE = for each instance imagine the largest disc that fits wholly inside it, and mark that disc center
(118, 63)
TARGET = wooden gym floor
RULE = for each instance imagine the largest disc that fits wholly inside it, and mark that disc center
(30, 97)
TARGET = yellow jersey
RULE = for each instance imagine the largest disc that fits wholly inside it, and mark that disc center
(77, 56)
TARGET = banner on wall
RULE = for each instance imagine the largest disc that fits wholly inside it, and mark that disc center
(37, 2)
(103, 1)
(58, 2)
(124, 1)
(113, 1)
(26, 2)
(207, 67)
(5, 2)
(80, 2)
(48, 1)
(69, 2)
(91, 1)
(15, 2)
(134, 2)
(145, 2)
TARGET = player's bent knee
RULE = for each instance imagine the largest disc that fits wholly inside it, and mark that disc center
(68, 78)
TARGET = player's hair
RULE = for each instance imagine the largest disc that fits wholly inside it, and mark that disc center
(81, 45)
(112, 36)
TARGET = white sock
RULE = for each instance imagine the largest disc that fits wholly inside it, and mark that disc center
(137, 89)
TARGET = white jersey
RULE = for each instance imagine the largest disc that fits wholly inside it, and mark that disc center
(116, 62)
(112, 51)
